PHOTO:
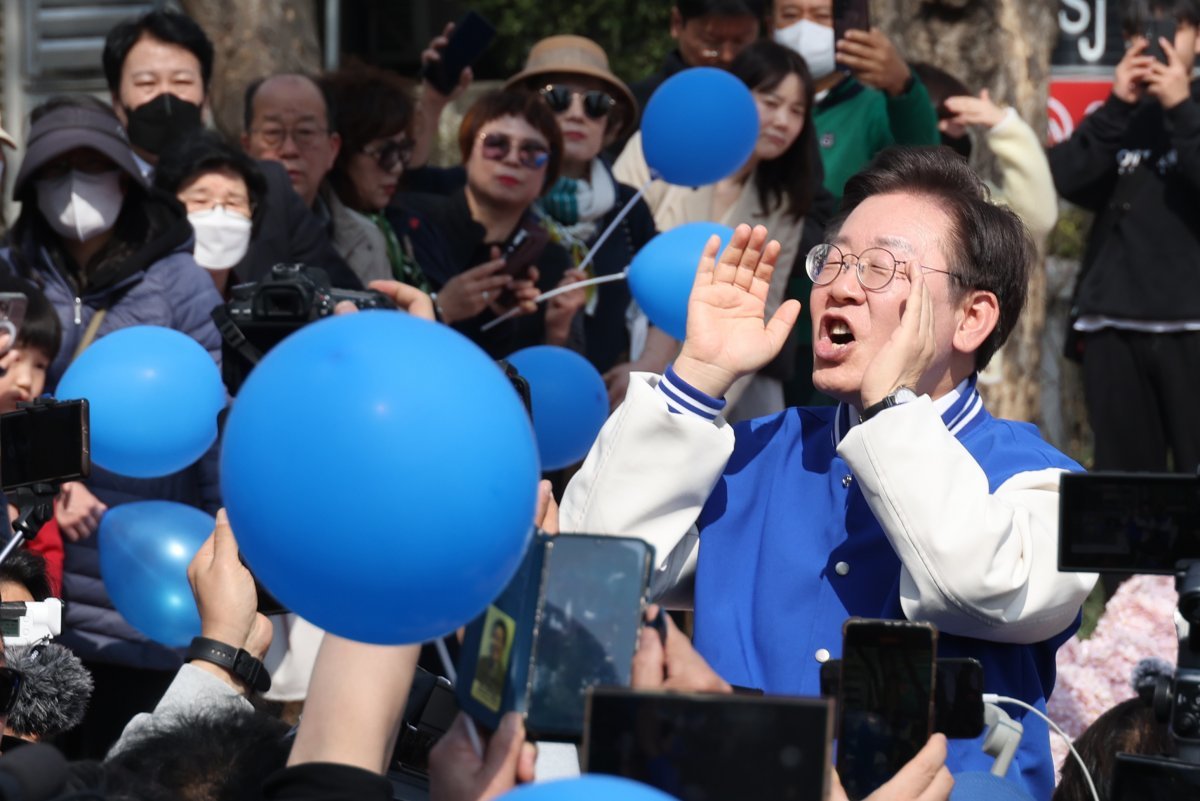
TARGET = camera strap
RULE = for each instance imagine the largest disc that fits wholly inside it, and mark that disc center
(233, 336)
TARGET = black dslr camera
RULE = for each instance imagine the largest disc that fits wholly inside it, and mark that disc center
(259, 315)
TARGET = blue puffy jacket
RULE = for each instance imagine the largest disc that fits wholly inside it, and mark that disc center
(148, 278)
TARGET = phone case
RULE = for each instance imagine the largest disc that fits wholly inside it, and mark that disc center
(472, 35)
(494, 678)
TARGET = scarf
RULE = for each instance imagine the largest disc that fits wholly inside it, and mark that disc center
(576, 205)
(404, 265)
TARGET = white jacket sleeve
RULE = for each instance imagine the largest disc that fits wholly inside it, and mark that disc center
(975, 563)
(648, 475)
(1026, 185)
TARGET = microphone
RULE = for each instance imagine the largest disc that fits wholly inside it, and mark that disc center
(55, 692)
(36, 772)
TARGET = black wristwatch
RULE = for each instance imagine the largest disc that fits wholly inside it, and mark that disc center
(237, 661)
(900, 396)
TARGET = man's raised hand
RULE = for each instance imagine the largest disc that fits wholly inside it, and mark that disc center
(727, 333)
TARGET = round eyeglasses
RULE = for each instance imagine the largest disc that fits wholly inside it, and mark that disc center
(874, 267)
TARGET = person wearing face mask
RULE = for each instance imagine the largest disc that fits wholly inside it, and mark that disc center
(867, 96)
(108, 252)
(775, 187)
(158, 68)
(222, 189)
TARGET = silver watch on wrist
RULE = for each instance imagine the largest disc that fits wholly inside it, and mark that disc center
(901, 396)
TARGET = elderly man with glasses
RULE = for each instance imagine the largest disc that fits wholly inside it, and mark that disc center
(288, 120)
(906, 501)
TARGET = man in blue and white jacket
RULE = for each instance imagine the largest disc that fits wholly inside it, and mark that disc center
(906, 501)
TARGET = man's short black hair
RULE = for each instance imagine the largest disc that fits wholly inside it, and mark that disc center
(165, 26)
(988, 248)
(41, 328)
(29, 569)
(691, 9)
(252, 91)
(1136, 13)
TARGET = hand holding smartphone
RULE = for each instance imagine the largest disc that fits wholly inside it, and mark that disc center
(471, 36)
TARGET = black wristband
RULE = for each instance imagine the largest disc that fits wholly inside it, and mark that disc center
(237, 661)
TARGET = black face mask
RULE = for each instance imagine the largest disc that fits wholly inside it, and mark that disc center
(164, 119)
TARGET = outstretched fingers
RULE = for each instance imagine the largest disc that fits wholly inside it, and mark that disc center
(706, 269)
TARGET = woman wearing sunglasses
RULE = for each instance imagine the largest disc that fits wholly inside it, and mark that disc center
(496, 254)
(775, 188)
(594, 109)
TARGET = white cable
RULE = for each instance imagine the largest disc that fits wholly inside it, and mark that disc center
(992, 698)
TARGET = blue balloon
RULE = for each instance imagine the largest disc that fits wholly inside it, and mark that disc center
(699, 126)
(570, 402)
(663, 272)
(589, 787)
(145, 548)
(154, 395)
(380, 474)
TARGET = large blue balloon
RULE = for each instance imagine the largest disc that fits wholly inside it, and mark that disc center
(380, 474)
(590, 787)
(663, 272)
(154, 395)
(570, 402)
(145, 548)
(699, 126)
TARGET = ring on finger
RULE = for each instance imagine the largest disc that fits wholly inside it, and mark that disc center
(486, 295)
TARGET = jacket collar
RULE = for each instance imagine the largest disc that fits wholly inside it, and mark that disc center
(961, 409)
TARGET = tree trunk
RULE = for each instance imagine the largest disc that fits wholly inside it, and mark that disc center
(254, 39)
(1004, 46)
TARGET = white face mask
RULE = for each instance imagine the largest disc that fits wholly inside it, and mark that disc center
(222, 237)
(812, 41)
(79, 205)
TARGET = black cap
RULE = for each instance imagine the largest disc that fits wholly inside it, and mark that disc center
(65, 128)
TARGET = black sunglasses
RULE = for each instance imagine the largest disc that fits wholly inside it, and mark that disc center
(531, 154)
(10, 688)
(390, 154)
(596, 104)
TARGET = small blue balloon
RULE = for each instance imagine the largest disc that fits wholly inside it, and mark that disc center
(663, 272)
(380, 474)
(145, 548)
(570, 402)
(589, 787)
(699, 126)
(154, 394)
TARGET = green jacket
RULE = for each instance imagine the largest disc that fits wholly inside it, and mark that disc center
(854, 122)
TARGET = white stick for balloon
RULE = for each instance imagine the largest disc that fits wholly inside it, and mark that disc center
(452, 674)
(561, 290)
(587, 260)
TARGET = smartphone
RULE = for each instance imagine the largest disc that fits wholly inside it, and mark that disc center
(12, 316)
(850, 15)
(957, 698)
(568, 621)
(46, 442)
(471, 36)
(524, 250)
(1127, 522)
(685, 743)
(1153, 29)
(1147, 778)
(885, 711)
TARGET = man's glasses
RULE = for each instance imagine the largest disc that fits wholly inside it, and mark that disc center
(10, 689)
(531, 153)
(596, 104)
(305, 136)
(875, 267)
(390, 154)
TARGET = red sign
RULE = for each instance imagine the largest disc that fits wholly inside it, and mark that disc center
(1072, 99)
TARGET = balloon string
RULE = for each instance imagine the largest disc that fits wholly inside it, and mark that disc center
(553, 293)
(452, 674)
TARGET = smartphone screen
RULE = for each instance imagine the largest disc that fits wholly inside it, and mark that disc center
(885, 709)
(1128, 522)
(850, 15)
(594, 594)
(471, 36)
(1142, 778)
(686, 744)
(45, 443)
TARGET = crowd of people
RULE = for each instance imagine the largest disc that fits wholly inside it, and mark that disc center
(816, 448)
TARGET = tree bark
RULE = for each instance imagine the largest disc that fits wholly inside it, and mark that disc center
(254, 39)
(1004, 46)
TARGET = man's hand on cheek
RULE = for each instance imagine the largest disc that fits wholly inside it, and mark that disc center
(907, 356)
